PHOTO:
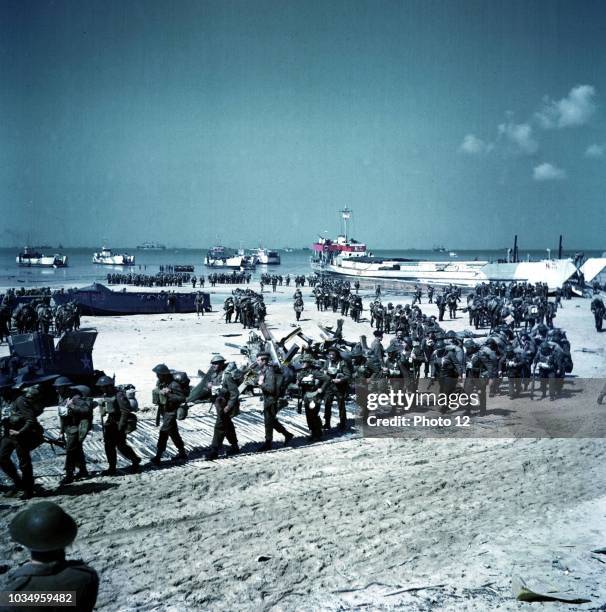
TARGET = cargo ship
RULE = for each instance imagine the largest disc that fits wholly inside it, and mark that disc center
(350, 259)
(33, 258)
(106, 257)
(151, 246)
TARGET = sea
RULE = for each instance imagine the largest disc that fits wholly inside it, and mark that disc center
(81, 271)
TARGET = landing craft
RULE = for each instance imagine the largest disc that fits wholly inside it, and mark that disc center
(348, 258)
(108, 258)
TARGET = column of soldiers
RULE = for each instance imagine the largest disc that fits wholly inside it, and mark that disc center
(229, 278)
(37, 315)
(336, 295)
(161, 279)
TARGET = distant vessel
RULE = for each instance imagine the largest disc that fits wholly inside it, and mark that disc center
(452, 254)
(31, 258)
(289, 250)
(221, 257)
(439, 249)
(348, 258)
(98, 300)
(108, 258)
(267, 257)
(151, 246)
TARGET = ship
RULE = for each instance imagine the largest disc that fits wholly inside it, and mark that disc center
(439, 248)
(151, 246)
(106, 257)
(266, 257)
(99, 300)
(345, 257)
(221, 257)
(29, 258)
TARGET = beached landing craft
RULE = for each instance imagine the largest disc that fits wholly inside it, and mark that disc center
(348, 258)
(106, 257)
(30, 258)
(98, 300)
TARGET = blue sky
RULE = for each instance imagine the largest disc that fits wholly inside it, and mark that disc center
(438, 122)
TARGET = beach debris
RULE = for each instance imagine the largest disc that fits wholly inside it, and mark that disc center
(263, 558)
(522, 593)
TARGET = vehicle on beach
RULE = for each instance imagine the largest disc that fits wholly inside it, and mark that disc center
(106, 257)
(29, 258)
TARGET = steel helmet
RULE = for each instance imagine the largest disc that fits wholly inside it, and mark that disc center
(161, 368)
(105, 381)
(63, 381)
(43, 527)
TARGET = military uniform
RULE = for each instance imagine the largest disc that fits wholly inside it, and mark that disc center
(168, 396)
(270, 384)
(76, 422)
(115, 407)
(336, 386)
(310, 381)
(225, 396)
(22, 418)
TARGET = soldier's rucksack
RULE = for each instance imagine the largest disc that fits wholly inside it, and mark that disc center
(131, 422)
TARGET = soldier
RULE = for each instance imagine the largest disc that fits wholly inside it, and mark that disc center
(199, 304)
(22, 433)
(546, 364)
(115, 415)
(310, 383)
(298, 306)
(46, 530)
(168, 396)
(598, 309)
(441, 304)
(224, 394)
(270, 382)
(430, 291)
(445, 369)
(76, 415)
(376, 348)
(229, 308)
(337, 375)
(514, 367)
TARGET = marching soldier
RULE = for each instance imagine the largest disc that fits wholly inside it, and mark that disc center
(199, 303)
(168, 396)
(76, 416)
(224, 394)
(445, 369)
(598, 309)
(46, 530)
(298, 306)
(21, 433)
(115, 413)
(310, 383)
(337, 376)
(270, 382)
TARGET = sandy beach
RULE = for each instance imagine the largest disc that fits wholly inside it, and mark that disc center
(348, 523)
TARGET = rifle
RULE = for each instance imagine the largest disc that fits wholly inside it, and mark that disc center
(53, 442)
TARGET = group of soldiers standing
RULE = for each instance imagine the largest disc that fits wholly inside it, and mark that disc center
(245, 306)
(161, 279)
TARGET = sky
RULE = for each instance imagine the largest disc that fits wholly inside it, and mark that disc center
(253, 122)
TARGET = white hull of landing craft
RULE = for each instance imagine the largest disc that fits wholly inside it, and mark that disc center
(230, 263)
(44, 261)
(107, 258)
(462, 273)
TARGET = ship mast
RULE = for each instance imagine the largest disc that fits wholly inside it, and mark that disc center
(346, 216)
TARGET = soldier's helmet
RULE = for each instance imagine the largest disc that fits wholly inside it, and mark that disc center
(217, 359)
(334, 350)
(81, 390)
(491, 343)
(161, 368)
(63, 381)
(105, 381)
(182, 378)
(43, 527)
(469, 343)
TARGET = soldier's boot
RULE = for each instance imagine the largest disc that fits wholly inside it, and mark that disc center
(266, 446)
(288, 438)
(212, 454)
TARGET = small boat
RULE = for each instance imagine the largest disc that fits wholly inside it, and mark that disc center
(151, 246)
(439, 249)
(98, 300)
(30, 258)
(267, 257)
(108, 258)
(452, 254)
